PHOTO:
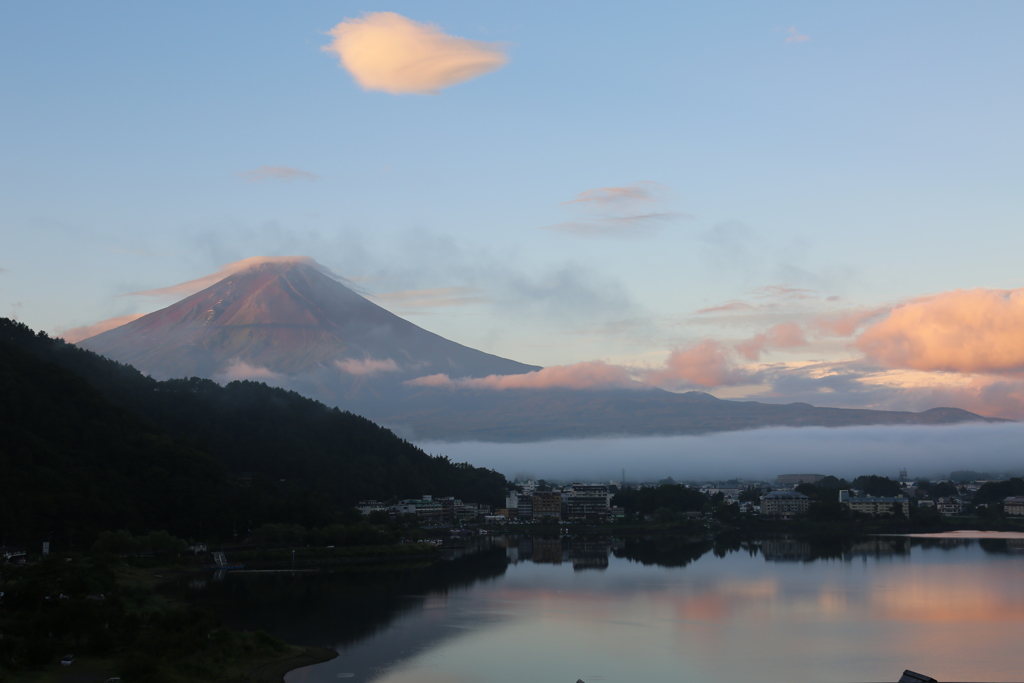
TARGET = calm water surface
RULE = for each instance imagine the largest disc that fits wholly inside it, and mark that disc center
(519, 609)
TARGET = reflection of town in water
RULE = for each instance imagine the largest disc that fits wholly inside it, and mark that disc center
(583, 553)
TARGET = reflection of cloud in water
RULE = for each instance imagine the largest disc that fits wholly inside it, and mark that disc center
(840, 612)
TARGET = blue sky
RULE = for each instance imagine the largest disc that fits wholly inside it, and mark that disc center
(804, 159)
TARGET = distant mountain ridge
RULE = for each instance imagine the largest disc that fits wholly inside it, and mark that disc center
(287, 322)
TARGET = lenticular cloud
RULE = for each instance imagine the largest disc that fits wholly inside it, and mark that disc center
(386, 51)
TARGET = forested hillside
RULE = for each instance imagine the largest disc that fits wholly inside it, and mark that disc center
(89, 444)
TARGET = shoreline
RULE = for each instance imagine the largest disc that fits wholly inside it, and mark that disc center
(275, 671)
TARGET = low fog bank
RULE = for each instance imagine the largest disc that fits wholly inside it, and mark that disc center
(926, 451)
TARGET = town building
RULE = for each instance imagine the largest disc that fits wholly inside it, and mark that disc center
(547, 505)
(1013, 505)
(588, 501)
(874, 505)
(525, 507)
(425, 507)
(949, 506)
(784, 504)
(368, 506)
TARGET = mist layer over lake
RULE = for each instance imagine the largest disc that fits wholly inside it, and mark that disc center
(926, 451)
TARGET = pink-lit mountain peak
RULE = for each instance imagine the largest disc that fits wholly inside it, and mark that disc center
(288, 315)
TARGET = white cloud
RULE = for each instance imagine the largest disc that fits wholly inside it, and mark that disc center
(237, 369)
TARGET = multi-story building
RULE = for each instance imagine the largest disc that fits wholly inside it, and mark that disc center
(368, 506)
(525, 507)
(547, 504)
(588, 501)
(949, 506)
(875, 505)
(1013, 505)
(425, 507)
(784, 504)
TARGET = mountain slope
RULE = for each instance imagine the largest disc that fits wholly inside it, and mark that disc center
(287, 322)
(288, 317)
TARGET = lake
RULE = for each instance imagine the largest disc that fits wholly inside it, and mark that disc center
(508, 609)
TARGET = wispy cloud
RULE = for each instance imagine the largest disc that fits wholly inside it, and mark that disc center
(588, 375)
(794, 36)
(77, 334)
(237, 370)
(193, 286)
(783, 293)
(283, 173)
(388, 52)
(728, 307)
(366, 367)
(438, 297)
(618, 211)
(859, 384)
(617, 196)
(843, 323)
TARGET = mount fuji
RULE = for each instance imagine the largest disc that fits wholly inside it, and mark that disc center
(289, 322)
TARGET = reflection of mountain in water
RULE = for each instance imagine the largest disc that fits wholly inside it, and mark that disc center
(1002, 546)
(336, 609)
(663, 551)
(788, 549)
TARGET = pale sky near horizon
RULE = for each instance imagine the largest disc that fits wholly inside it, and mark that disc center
(782, 200)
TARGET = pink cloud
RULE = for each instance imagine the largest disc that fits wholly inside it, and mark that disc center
(366, 367)
(978, 330)
(618, 211)
(193, 286)
(785, 335)
(727, 307)
(843, 324)
(438, 380)
(708, 364)
(388, 52)
(77, 334)
(641, 192)
(587, 375)
(795, 36)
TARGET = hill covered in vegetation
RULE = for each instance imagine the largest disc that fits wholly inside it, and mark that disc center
(90, 444)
